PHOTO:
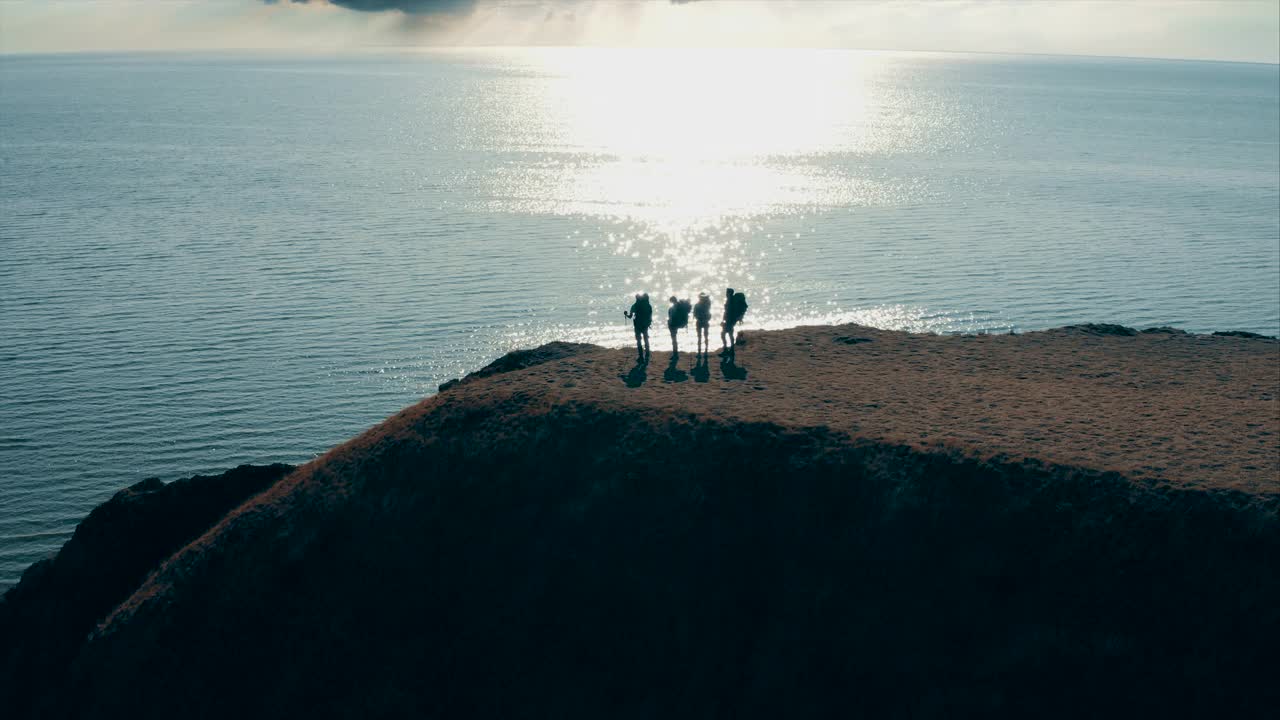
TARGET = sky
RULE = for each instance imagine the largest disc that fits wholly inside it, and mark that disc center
(1240, 30)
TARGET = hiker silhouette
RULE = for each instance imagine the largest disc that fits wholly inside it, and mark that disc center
(735, 307)
(702, 322)
(641, 316)
(677, 320)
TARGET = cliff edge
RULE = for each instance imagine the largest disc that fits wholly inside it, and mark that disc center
(842, 521)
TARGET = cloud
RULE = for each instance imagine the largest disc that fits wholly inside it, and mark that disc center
(1210, 29)
(413, 7)
(408, 7)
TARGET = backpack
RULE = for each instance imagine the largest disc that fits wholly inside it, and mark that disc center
(644, 313)
(702, 311)
(738, 306)
(680, 314)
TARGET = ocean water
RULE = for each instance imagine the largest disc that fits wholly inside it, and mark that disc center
(214, 259)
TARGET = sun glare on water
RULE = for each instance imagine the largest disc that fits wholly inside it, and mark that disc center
(682, 139)
(691, 149)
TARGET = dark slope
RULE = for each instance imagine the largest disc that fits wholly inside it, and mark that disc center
(46, 617)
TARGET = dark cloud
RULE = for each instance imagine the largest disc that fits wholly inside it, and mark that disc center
(413, 7)
(409, 7)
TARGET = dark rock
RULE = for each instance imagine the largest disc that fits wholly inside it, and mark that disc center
(521, 359)
(1103, 329)
(45, 618)
(1243, 334)
(847, 340)
(1164, 330)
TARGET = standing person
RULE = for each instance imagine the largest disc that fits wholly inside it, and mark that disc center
(677, 320)
(641, 316)
(702, 324)
(735, 306)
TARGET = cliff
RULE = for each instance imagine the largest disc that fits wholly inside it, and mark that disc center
(844, 521)
(46, 617)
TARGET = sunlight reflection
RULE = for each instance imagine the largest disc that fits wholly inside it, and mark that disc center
(684, 155)
(682, 138)
(706, 104)
(686, 137)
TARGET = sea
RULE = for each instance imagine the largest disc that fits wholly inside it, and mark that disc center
(225, 258)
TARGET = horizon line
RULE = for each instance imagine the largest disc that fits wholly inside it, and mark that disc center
(430, 48)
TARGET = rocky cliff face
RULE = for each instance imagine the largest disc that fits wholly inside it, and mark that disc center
(45, 619)
(562, 541)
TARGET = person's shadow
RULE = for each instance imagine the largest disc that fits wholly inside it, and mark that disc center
(674, 374)
(730, 369)
(701, 369)
(638, 374)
